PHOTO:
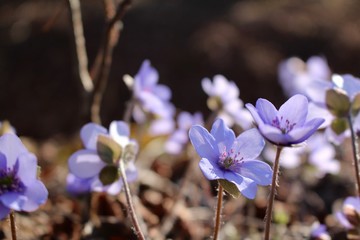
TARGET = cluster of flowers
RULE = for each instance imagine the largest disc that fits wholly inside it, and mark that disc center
(224, 156)
(234, 160)
(337, 101)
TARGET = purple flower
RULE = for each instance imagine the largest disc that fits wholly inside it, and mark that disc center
(349, 216)
(290, 158)
(319, 232)
(319, 152)
(179, 138)
(225, 157)
(20, 188)
(76, 185)
(295, 76)
(317, 92)
(146, 87)
(224, 98)
(287, 126)
(98, 162)
(322, 155)
(152, 101)
(348, 83)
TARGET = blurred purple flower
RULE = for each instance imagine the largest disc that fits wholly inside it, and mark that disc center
(319, 152)
(91, 162)
(319, 232)
(347, 84)
(287, 126)
(147, 90)
(290, 158)
(76, 185)
(179, 138)
(295, 75)
(224, 98)
(349, 216)
(226, 157)
(322, 155)
(152, 101)
(20, 188)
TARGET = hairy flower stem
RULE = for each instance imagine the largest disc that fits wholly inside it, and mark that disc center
(12, 225)
(274, 184)
(356, 156)
(134, 219)
(218, 212)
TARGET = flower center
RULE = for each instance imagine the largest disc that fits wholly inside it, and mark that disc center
(215, 103)
(10, 182)
(230, 160)
(283, 124)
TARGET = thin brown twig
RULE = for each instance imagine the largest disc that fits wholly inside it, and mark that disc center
(100, 71)
(110, 11)
(80, 45)
(54, 17)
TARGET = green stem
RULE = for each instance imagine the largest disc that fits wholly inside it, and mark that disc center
(218, 212)
(12, 225)
(274, 184)
(134, 219)
(356, 157)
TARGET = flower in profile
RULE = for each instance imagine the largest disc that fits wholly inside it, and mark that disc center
(288, 125)
(224, 99)
(349, 216)
(179, 138)
(20, 188)
(152, 100)
(98, 163)
(231, 159)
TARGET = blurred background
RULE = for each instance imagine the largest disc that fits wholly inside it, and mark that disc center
(186, 41)
(40, 92)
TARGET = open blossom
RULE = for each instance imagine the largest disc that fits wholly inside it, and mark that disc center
(152, 101)
(20, 188)
(349, 216)
(223, 156)
(97, 164)
(178, 139)
(224, 98)
(288, 125)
